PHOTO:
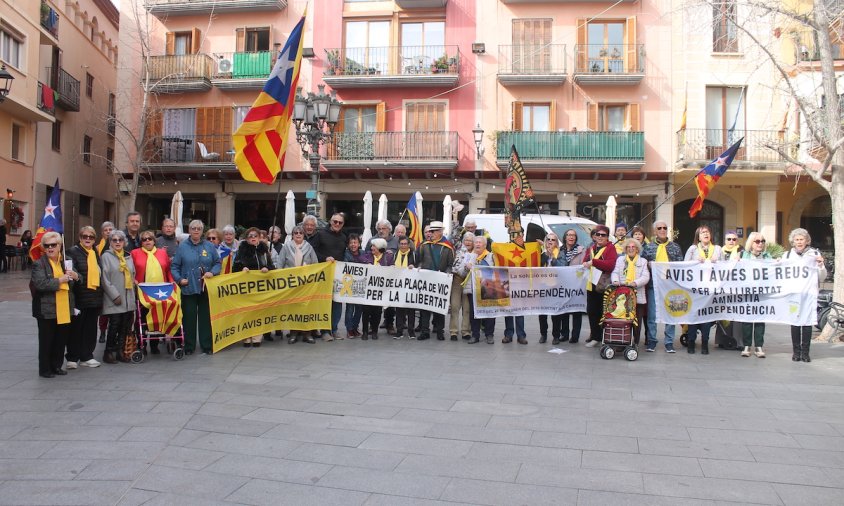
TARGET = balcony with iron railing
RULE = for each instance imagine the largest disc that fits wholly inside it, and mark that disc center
(611, 150)
(177, 73)
(393, 66)
(532, 64)
(164, 8)
(189, 152)
(67, 88)
(619, 64)
(423, 149)
(49, 19)
(242, 70)
(45, 99)
(697, 147)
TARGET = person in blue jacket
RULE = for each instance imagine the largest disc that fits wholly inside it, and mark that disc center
(195, 261)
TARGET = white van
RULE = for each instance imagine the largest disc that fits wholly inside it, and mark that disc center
(536, 226)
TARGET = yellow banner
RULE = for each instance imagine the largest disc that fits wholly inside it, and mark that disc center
(247, 304)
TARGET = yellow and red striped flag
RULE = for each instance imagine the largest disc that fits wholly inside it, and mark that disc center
(164, 304)
(260, 141)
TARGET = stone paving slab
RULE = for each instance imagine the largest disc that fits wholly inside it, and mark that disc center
(421, 423)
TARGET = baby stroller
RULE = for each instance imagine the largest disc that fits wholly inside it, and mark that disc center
(618, 319)
(163, 321)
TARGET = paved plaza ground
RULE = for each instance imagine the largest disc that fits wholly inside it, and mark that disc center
(405, 422)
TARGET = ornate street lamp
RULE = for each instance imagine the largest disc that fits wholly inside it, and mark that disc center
(478, 132)
(5, 82)
(311, 115)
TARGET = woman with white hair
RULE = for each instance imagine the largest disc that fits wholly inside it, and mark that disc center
(632, 270)
(295, 253)
(753, 334)
(801, 335)
(119, 305)
(380, 255)
(196, 260)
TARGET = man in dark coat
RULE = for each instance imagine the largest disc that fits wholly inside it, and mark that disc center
(330, 245)
(437, 254)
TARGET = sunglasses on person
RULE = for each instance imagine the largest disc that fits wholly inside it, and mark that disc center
(731, 239)
(252, 236)
(759, 241)
(337, 222)
(147, 239)
(117, 240)
(662, 228)
(51, 245)
(212, 238)
(88, 237)
(601, 234)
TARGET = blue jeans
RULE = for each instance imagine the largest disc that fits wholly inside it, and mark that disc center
(650, 328)
(353, 314)
(519, 327)
(336, 312)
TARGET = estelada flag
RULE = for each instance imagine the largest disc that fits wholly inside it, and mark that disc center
(164, 305)
(707, 177)
(260, 142)
(50, 222)
(415, 234)
(509, 254)
(226, 259)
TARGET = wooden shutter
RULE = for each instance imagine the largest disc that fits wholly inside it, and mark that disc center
(240, 40)
(152, 136)
(632, 120)
(517, 116)
(195, 40)
(552, 116)
(170, 43)
(380, 117)
(592, 116)
(425, 117)
(214, 128)
(632, 63)
(581, 60)
(531, 44)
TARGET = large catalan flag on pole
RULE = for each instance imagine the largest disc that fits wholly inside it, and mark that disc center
(707, 177)
(413, 214)
(51, 221)
(260, 142)
(165, 309)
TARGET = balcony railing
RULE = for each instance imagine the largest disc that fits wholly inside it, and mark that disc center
(45, 99)
(186, 149)
(180, 66)
(187, 7)
(573, 146)
(392, 61)
(609, 59)
(532, 59)
(407, 146)
(708, 144)
(67, 88)
(49, 19)
(253, 65)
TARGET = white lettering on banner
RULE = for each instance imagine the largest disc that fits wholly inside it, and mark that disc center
(767, 291)
(377, 285)
(519, 291)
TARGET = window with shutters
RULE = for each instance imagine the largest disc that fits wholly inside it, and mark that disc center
(425, 116)
(725, 117)
(89, 85)
(17, 142)
(214, 128)
(252, 40)
(182, 43)
(607, 46)
(359, 118)
(613, 117)
(86, 150)
(355, 139)
(532, 45)
(534, 116)
(724, 31)
(425, 130)
(12, 48)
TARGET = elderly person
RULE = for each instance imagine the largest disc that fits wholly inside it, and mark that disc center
(309, 225)
(355, 255)
(731, 250)
(550, 258)
(661, 249)
(119, 299)
(800, 240)
(296, 253)
(132, 232)
(620, 233)
(482, 258)
(753, 334)
(464, 257)
(632, 270)
(196, 260)
(167, 240)
(378, 255)
(705, 251)
(89, 301)
(105, 232)
(253, 254)
(152, 265)
(571, 254)
(405, 258)
(212, 235)
(385, 231)
(600, 258)
(435, 254)
(52, 304)
(229, 238)
(330, 245)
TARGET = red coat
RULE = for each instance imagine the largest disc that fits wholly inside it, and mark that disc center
(139, 258)
(606, 262)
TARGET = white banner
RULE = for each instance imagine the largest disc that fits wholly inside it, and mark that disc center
(376, 285)
(767, 291)
(518, 291)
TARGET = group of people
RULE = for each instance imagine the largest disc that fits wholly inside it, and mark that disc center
(91, 285)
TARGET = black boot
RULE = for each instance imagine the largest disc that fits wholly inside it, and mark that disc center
(704, 347)
(543, 339)
(691, 346)
(796, 354)
(804, 349)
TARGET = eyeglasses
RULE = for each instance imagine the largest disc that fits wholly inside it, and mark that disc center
(298, 233)
(337, 222)
(88, 237)
(731, 239)
(117, 240)
(212, 238)
(196, 228)
(662, 228)
(550, 240)
(252, 236)
(51, 245)
(759, 241)
(145, 239)
(601, 234)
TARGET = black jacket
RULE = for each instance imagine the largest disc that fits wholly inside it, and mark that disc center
(329, 244)
(252, 257)
(85, 297)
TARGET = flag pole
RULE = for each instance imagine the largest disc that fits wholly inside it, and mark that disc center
(277, 197)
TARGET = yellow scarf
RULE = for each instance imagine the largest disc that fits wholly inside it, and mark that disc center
(376, 259)
(101, 246)
(732, 251)
(127, 276)
(662, 252)
(401, 258)
(482, 255)
(93, 269)
(619, 248)
(62, 294)
(708, 254)
(554, 254)
(592, 269)
(153, 274)
(630, 270)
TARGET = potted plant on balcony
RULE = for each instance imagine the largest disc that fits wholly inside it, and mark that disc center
(440, 65)
(333, 57)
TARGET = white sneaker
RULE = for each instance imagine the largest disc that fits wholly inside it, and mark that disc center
(72, 365)
(591, 344)
(760, 353)
(90, 363)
